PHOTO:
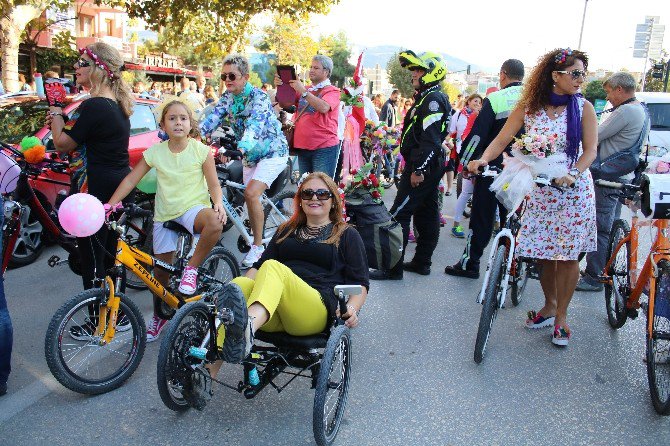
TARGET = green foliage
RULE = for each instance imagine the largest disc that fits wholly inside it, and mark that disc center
(652, 84)
(337, 47)
(400, 78)
(289, 39)
(594, 90)
(255, 79)
(63, 52)
(450, 90)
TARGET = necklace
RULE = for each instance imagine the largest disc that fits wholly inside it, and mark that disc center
(554, 112)
(313, 233)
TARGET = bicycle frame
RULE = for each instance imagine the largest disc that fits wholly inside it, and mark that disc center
(660, 249)
(510, 243)
(236, 216)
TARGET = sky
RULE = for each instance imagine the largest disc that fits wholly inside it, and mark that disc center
(486, 32)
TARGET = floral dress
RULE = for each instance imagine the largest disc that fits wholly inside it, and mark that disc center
(558, 224)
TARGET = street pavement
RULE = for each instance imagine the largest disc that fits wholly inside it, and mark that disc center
(414, 381)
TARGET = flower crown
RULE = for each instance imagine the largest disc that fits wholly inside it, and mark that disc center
(562, 55)
(98, 62)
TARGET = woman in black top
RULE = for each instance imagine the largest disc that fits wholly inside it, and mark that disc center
(97, 141)
(290, 288)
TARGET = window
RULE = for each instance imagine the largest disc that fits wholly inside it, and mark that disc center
(660, 116)
(109, 27)
(86, 28)
(142, 120)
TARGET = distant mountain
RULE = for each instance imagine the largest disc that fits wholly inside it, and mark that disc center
(381, 55)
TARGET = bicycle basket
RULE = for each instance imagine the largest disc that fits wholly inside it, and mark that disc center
(656, 196)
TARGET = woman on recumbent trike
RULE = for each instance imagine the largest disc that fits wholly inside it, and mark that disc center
(290, 288)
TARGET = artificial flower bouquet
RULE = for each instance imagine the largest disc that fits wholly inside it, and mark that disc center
(363, 181)
(533, 155)
(379, 138)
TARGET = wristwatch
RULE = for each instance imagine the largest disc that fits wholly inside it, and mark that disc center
(574, 173)
(304, 95)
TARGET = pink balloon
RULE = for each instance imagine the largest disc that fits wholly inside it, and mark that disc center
(9, 173)
(81, 215)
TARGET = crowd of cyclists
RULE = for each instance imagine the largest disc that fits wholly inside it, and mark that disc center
(288, 284)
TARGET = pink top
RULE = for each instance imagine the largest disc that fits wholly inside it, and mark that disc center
(315, 130)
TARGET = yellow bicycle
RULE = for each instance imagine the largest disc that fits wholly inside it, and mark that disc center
(96, 340)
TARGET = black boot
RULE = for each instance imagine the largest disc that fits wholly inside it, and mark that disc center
(424, 270)
(457, 270)
(380, 274)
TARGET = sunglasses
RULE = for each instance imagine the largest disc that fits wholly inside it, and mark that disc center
(226, 76)
(321, 194)
(83, 63)
(576, 74)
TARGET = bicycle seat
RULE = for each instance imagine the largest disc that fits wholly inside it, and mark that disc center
(280, 182)
(176, 227)
(285, 340)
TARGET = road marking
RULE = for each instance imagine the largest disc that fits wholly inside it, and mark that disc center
(14, 403)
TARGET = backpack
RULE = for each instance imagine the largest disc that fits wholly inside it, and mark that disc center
(623, 162)
(381, 234)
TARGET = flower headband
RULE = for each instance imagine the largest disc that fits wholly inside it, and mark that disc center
(562, 55)
(96, 60)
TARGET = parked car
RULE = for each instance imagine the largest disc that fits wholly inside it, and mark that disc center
(658, 105)
(24, 115)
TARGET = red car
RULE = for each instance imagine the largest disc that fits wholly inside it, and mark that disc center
(24, 114)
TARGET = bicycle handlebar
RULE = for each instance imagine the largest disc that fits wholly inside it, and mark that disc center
(230, 153)
(36, 169)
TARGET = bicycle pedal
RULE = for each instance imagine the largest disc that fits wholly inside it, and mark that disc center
(55, 261)
(197, 352)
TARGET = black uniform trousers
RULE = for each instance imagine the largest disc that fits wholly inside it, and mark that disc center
(422, 203)
(482, 216)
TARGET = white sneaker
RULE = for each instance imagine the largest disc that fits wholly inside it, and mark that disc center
(253, 255)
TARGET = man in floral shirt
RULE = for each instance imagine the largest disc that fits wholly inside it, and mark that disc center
(248, 111)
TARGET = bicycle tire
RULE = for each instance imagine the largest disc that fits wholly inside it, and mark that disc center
(57, 334)
(339, 344)
(490, 304)
(617, 293)
(519, 281)
(173, 369)
(658, 342)
(231, 266)
(270, 224)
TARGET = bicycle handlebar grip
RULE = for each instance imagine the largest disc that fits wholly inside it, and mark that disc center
(609, 184)
(137, 211)
(343, 305)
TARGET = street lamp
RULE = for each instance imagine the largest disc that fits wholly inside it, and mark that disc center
(581, 32)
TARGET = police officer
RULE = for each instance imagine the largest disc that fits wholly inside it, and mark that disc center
(424, 129)
(495, 109)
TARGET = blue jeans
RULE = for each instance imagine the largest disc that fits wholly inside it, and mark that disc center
(6, 331)
(319, 160)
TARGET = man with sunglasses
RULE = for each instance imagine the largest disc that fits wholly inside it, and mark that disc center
(495, 109)
(626, 127)
(424, 129)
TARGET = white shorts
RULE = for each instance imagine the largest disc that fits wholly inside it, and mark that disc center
(266, 171)
(165, 240)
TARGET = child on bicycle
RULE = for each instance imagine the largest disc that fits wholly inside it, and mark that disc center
(186, 180)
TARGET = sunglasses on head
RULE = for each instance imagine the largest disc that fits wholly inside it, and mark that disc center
(576, 74)
(321, 194)
(83, 63)
(226, 76)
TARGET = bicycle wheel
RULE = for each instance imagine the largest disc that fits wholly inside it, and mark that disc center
(519, 280)
(83, 365)
(332, 386)
(284, 202)
(221, 264)
(617, 293)
(491, 303)
(175, 367)
(141, 236)
(658, 342)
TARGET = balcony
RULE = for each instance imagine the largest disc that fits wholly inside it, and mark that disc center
(128, 50)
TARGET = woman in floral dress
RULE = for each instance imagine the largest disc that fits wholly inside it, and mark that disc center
(557, 224)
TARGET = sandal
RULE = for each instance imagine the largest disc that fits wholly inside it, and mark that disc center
(536, 320)
(560, 336)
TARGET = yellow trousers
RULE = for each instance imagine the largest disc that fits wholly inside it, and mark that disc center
(294, 307)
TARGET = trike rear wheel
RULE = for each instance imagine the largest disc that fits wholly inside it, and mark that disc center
(617, 292)
(332, 386)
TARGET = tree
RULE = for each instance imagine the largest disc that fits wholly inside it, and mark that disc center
(651, 83)
(594, 90)
(450, 90)
(289, 40)
(400, 78)
(15, 16)
(337, 47)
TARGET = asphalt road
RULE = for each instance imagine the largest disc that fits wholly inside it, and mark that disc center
(414, 381)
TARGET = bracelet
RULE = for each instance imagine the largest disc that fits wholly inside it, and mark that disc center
(57, 114)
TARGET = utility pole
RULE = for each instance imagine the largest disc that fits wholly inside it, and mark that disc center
(581, 32)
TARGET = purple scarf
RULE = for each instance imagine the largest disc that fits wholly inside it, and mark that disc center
(574, 133)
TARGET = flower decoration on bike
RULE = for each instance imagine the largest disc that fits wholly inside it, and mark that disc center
(363, 180)
(533, 155)
(379, 138)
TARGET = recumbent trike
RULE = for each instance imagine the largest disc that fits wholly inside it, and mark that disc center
(191, 343)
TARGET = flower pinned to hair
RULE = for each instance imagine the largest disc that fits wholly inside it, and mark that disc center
(99, 63)
(562, 55)
(302, 178)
